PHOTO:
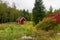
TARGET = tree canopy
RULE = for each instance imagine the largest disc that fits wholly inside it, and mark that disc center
(10, 14)
(38, 11)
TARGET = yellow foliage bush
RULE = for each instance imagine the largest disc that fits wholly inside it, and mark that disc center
(47, 23)
(48, 18)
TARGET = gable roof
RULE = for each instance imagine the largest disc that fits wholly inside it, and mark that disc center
(20, 18)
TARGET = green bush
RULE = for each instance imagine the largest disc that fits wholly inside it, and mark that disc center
(49, 25)
(57, 28)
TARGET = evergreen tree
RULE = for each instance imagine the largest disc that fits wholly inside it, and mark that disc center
(50, 9)
(26, 15)
(38, 11)
(8, 14)
(57, 11)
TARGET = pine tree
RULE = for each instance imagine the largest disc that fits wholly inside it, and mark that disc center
(26, 15)
(38, 11)
(50, 9)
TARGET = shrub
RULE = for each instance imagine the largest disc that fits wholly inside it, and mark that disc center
(57, 28)
(48, 25)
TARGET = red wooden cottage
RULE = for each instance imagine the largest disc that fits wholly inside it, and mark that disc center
(20, 20)
(56, 16)
(52, 14)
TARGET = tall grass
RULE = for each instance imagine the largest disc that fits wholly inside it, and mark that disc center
(13, 31)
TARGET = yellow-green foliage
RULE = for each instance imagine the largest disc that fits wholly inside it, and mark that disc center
(46, 24)
(57, 28)
(13, 31)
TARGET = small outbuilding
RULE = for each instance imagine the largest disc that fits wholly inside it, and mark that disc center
(52, 15)
(58, 18)
(20, 20)
(55, 16)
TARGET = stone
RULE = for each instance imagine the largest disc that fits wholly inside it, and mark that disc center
(26, 38)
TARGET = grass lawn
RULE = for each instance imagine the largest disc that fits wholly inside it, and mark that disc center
(13, 31)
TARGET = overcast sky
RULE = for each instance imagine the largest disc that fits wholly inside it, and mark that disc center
(29, 4)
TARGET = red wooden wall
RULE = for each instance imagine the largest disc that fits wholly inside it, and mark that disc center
(57, 17)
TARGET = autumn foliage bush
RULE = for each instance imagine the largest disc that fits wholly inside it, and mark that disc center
(48, 23)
